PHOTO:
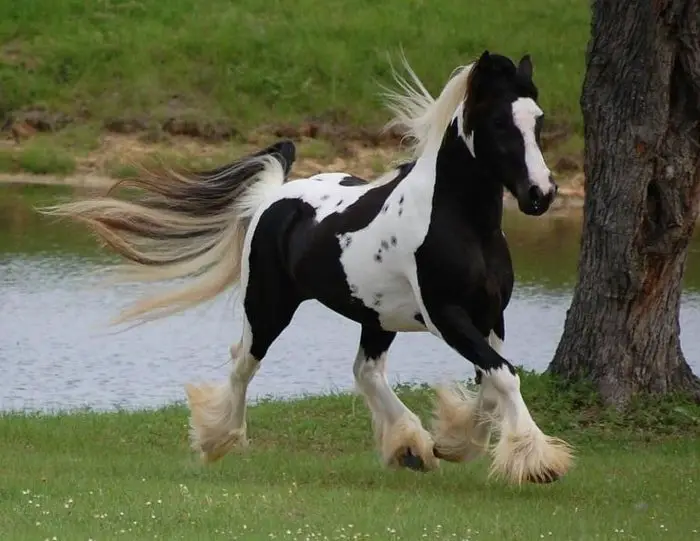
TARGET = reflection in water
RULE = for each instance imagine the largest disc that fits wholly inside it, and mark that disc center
(56, 351)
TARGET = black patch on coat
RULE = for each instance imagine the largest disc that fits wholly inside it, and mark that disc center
(464, 268)
(352, 181)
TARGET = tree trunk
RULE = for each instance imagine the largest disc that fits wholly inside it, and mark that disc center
(641, 111)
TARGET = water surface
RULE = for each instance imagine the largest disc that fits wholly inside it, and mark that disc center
(57, 352)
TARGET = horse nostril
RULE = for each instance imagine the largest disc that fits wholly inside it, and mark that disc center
(535, 194)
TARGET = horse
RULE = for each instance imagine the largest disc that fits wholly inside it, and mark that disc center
(419, 249)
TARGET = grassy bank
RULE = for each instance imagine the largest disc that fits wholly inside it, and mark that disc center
(251, 63)
(219, 70)
(312, 474)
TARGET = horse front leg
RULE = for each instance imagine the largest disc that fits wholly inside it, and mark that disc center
(523, 452)
(400, 436)
(464, 419)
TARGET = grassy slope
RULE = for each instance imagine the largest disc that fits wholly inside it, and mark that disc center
(250, 63)
(244, 68)
(312, 474)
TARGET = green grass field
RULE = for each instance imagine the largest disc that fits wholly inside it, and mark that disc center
(248, 63)
(311, 474)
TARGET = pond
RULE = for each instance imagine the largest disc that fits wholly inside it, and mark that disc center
(57, 351)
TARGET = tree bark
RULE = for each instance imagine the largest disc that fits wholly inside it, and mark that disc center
(641, 112)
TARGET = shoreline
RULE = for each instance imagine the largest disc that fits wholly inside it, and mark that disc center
(567, 198)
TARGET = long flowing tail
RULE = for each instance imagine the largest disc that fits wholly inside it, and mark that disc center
(183, 226)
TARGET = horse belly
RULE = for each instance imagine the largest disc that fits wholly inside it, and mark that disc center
(396, 307)
(402, 317)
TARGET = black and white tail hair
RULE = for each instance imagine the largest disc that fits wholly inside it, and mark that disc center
(183, 225)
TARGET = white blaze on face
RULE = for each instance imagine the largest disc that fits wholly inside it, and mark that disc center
(525, 115)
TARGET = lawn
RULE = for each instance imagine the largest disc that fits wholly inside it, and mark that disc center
(95, 87)
(249, 63)
(311, 473)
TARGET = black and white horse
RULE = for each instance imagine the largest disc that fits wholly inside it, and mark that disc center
(419, 249)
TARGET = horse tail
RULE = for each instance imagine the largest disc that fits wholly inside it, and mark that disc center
(183, 225)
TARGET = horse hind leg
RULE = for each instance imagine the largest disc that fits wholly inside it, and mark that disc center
(218, 412)
(400, 436)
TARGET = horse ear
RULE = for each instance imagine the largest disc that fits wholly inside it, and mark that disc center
(484, 58)
(525, 66)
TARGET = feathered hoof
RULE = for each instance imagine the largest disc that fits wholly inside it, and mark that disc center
(461, 428)
(406, 444)
(411, 461)
(211, 451)
(532, 457)
(211, 433)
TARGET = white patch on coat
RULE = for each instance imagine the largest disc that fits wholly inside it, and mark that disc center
(525, 115)
(496, 343)
(468, 138)
(394, 236)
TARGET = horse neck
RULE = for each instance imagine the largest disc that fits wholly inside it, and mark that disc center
(460, 186)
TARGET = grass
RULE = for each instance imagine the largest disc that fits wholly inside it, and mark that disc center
(311, 473)
(250, 63)
(233, 70)
(81, 148)
(38, 158)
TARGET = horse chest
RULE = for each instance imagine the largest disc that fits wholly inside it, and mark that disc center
(467, 270)
(489, 292)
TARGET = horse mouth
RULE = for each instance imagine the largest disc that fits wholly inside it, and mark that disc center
(538, 208)
(534, 202)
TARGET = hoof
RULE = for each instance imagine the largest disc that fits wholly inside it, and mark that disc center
(437, 453)
(544, 477)
(210, 432)
(212, 451)
(446, 457)
(405, 444)
(411, 461)
(532, 457)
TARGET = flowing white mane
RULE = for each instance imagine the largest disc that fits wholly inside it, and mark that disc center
(421, 118)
